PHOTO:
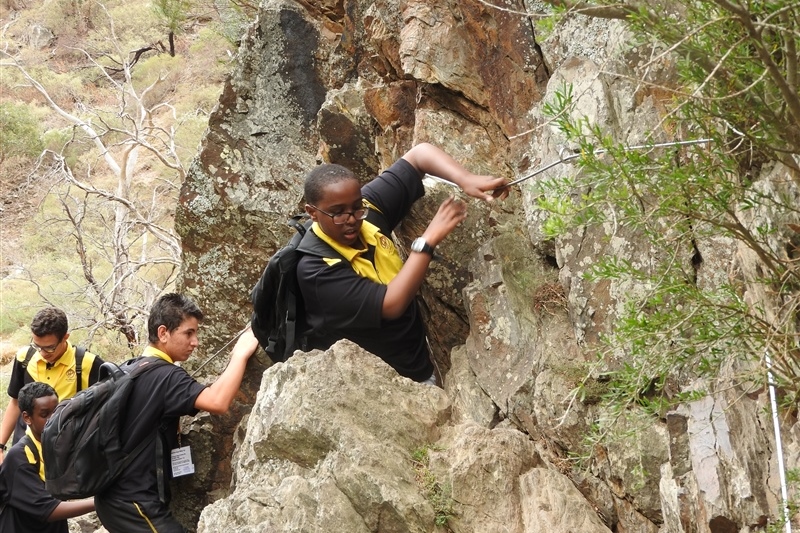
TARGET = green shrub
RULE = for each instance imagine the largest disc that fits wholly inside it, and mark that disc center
(677, 327)
(21, 131)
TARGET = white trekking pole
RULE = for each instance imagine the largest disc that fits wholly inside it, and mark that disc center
(778, 445)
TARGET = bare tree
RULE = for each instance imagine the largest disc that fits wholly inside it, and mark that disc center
(121, 229)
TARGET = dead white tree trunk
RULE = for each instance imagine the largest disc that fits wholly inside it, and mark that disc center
(135, 241)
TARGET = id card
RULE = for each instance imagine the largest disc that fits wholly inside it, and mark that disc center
(182, 464)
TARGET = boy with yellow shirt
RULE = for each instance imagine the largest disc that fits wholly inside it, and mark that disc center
(50, 359)
(160, 396)
(25, 504)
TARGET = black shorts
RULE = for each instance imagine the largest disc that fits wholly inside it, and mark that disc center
(119, 516)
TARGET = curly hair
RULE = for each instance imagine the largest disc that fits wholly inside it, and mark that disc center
(50, 320)
(32, 392)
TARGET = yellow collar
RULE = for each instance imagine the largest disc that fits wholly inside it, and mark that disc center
(152, 351)
(386, 262)
(67, 358)
(370, 233)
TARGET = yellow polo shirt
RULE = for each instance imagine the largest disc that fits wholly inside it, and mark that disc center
(60, 375)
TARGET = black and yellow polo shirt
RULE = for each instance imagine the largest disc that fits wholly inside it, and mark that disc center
(343, 291)
(60, 375)
(27, 503)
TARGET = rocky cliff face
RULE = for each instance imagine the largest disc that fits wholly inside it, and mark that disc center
(333, 439)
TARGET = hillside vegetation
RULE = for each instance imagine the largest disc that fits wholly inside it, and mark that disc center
(102, 107)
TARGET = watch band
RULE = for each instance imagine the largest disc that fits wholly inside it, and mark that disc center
(421, 246)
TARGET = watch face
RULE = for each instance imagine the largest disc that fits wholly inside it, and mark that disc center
(417, 245)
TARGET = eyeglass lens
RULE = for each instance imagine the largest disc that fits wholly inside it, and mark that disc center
(342, 218)
(46, 349)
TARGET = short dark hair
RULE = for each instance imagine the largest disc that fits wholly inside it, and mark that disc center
(32, 392)
(322, 176)
(170, 310)
(50, 320)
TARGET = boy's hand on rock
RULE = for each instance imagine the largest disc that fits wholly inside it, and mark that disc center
(450, 214)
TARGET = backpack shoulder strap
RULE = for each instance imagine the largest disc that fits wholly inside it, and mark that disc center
(299, 223)
(145, 364)
(28, 356)
(134, 367)
(80, 352)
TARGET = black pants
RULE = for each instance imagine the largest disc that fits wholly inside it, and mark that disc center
(119, 516)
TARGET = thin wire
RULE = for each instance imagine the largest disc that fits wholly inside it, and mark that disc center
(778, 444)
(602, 151)
(214, 356)
(576, 155)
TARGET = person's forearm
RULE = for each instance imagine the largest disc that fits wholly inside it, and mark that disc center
(403, 288)
(429, 159)
(400, 292)
(217, 398)
(71, 509)
(10, 418)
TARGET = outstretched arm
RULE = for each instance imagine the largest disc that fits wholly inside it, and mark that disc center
(71, 509)
(9, 422)
(429, 159)
(218, 397)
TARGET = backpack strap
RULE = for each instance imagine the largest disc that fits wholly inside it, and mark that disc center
(28, 356)
(140, 368)
(302, 225)
(291, 301)
(162, 485)
(80, 351)
(299, 223)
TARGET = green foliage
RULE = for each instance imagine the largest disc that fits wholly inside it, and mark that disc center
(21, 131)
(439, 495)
(132, 24)
(128, 257)
(547, 18)
(543, 27)
(60, 140)
(70, 18)
(792, 505)
(234, 17)
(738, 88)
(171, 13)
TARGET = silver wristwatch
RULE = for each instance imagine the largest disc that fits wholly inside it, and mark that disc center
(420, 246)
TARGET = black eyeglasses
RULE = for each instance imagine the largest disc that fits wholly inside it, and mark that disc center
(46, 349)
(343, 217)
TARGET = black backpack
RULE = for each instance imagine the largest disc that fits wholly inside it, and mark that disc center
(81, 444)
(80, 352)
(278, 319)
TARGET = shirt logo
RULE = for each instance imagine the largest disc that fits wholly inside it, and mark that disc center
(70, 375)
(384, 242)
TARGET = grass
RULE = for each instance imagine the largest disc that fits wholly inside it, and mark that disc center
(439, 495)
(18, 303)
